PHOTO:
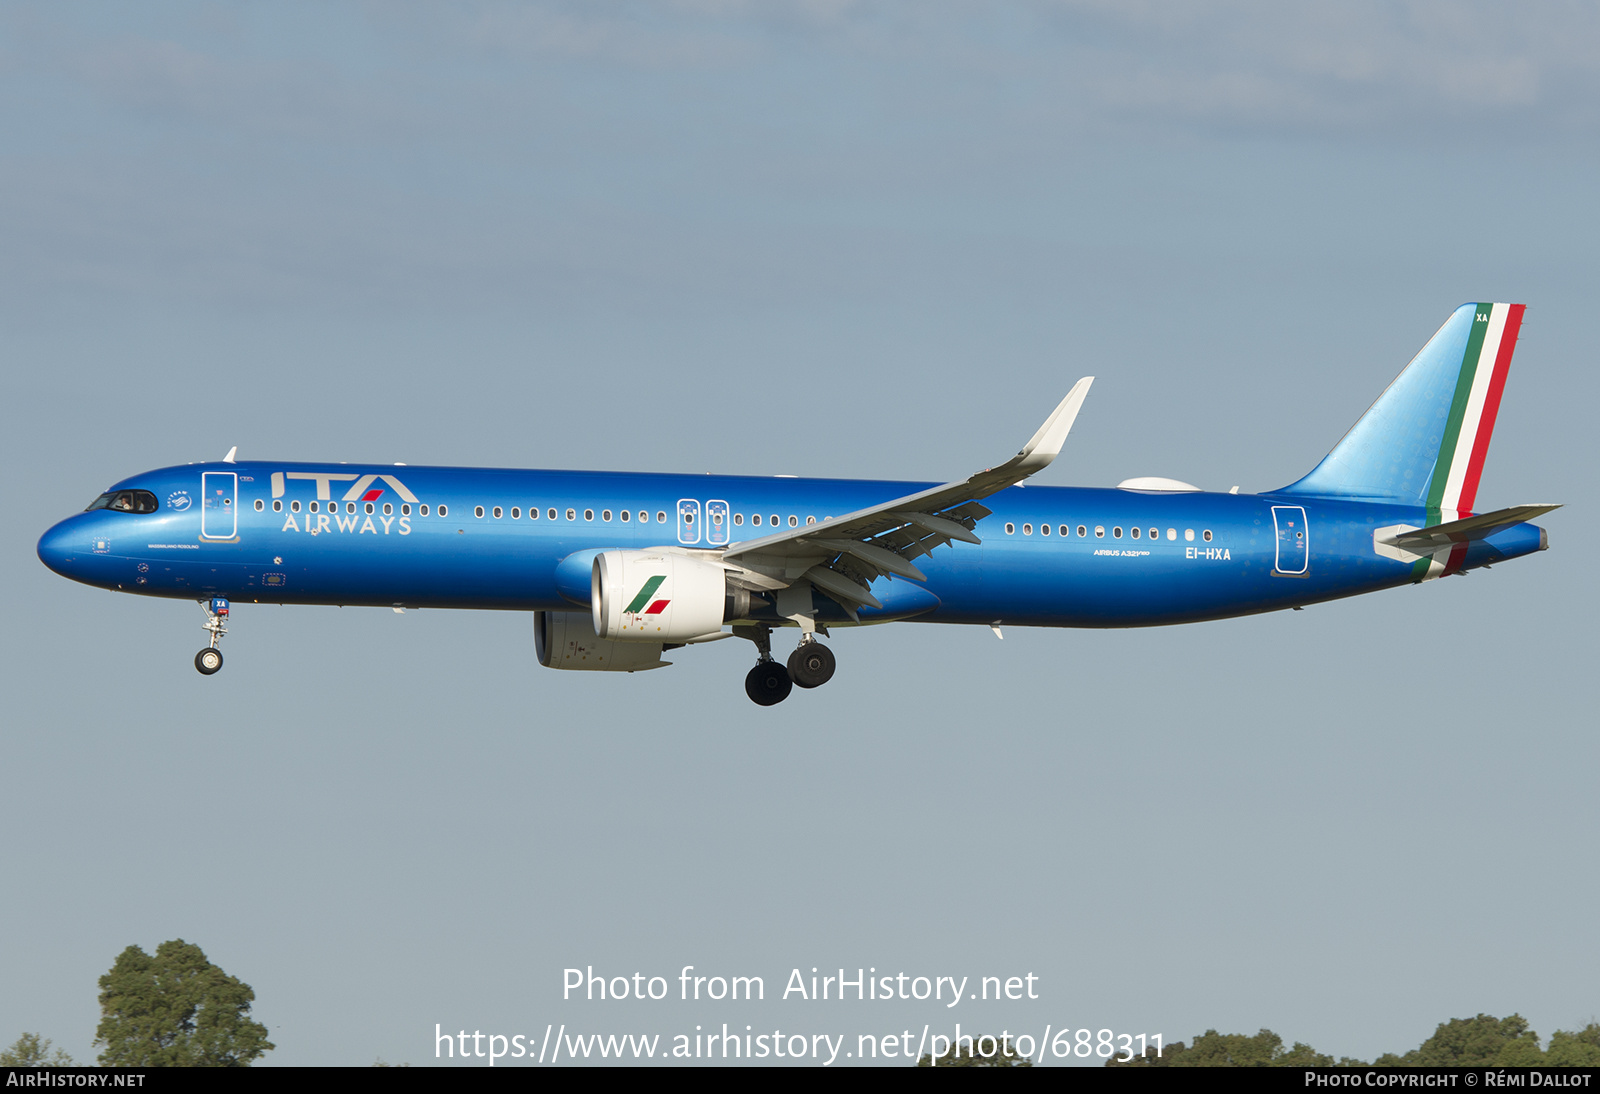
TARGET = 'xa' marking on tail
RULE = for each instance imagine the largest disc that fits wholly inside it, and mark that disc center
(1425, 440)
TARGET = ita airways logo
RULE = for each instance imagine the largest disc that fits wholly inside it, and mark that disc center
(636, 606)
(179, 500)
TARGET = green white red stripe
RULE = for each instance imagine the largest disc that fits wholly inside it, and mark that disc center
(1453, 489)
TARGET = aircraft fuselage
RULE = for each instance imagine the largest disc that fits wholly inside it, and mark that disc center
(442, 537)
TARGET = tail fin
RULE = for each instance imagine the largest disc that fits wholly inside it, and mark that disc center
(1424, 441)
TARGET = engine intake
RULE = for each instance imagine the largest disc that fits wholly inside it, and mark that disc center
(650, 596)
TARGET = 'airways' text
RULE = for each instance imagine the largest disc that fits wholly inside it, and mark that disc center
(318, 523)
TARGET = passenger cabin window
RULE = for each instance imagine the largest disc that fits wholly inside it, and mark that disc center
(605, 514)
(738, 519)
(1082, 531)
(1099, 531)
(387, 509)
(1135, 532)
(1116, 533)
(350, 508)
(1207, 535)
(1155, 533)
(1011, 529)
(444, 511)
(1027, 529)
(477, 511)
(277, 506)
(516, 513)
(422, 510)
(755, 519)
(313, 507)
(1044, 529)
(498, 512)
(260, 505)
(369, 508)
(627, 515)
(572, 514)
(1172, 533)
(794, 521)
(588, 514)
(661, 516)
(294, 507)
(405, 509)
(1188, 534)
(1065, 531)
(551, 514)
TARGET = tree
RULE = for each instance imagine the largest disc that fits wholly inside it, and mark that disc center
(1473, 1042)
(32, 1051)
(1213, 1049)
(1580, 1049)
(961, 1054)
(176, 1009)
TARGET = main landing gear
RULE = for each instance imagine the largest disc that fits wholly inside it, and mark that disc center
(209, 660)
(810, 666)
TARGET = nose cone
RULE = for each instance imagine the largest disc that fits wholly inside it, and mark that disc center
(59, 545)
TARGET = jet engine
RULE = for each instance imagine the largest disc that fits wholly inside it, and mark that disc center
(566, 640)
(661, 597)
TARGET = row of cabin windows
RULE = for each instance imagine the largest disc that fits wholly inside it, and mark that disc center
(626, 515)
(1116, 532)
(716, 519)
(349, 507)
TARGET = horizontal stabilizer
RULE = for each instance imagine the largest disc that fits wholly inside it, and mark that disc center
(1481, 526)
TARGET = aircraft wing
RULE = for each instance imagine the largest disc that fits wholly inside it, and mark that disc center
(842, 556)
(1481, 526)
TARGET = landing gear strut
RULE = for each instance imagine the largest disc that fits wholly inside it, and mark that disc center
(811, 664)
(209, 660)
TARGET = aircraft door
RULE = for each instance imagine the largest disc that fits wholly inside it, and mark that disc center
(688, 522)
(1294, 540)
(717, 523)
(219, 493)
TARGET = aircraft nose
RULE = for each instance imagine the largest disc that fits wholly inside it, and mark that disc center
(56, 548)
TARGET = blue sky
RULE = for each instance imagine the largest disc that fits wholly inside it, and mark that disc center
(874, 240)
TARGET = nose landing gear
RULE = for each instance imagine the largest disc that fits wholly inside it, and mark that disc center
(209, 660)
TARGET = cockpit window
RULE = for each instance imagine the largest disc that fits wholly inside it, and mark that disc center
(125, 501)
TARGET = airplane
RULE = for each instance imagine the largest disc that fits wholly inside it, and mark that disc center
(619, 568)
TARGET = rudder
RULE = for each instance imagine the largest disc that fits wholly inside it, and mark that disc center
(1425, 440)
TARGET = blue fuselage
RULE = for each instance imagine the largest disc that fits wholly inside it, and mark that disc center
(446, 537)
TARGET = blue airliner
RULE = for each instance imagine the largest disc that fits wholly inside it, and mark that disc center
(619, 568)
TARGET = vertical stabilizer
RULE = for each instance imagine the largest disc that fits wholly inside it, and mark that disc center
(1424, 441)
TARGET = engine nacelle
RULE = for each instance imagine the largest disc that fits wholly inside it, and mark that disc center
(658, 596)
(566, 640)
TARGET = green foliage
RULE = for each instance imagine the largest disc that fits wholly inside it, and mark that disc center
(176, 1009)
(1484, 1041)
(1474, 1042)
(963, 1055)
(30, 1050)
(1213, 1049)
(1580, 1049)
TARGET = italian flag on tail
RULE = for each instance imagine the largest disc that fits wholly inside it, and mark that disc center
(1479, 384)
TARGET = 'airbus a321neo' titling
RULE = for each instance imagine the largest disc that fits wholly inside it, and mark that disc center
(620, 568)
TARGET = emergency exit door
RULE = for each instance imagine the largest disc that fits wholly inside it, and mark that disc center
(1294, 541)
(219, 499)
